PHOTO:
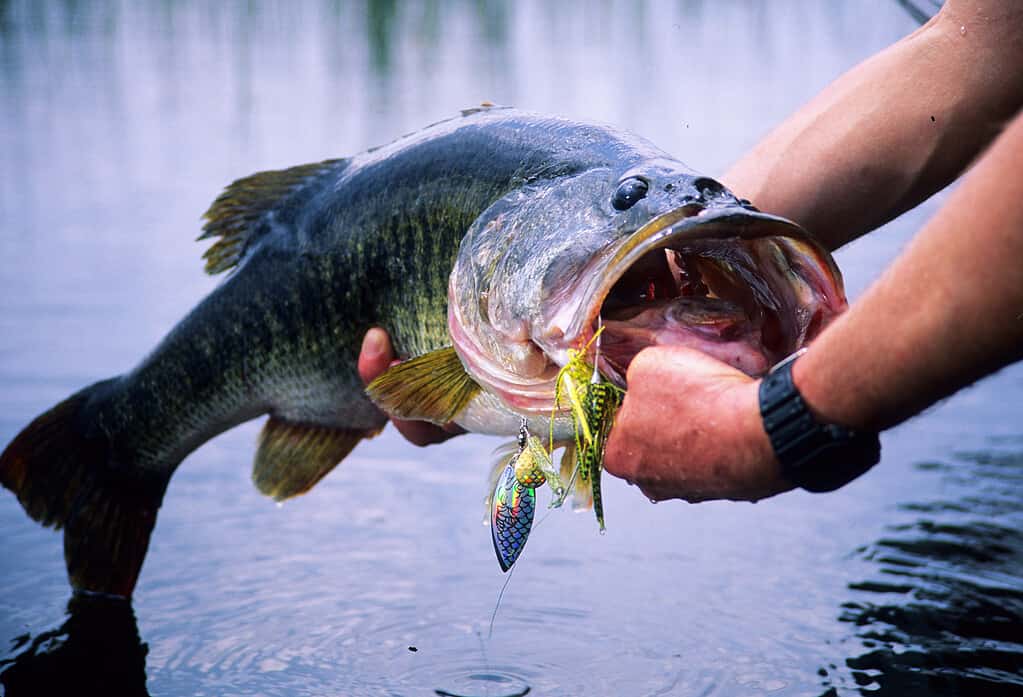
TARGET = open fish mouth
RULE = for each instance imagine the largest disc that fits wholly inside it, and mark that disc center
(745, 287)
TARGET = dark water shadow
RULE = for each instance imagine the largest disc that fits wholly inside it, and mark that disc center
(943, 614)
(96, 651)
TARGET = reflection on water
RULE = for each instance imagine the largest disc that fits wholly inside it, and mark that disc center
(96, 651)
(121, 121)
(943, 614)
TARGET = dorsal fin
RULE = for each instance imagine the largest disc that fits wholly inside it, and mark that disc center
(292, 457)
(432, 387)
(234, 214)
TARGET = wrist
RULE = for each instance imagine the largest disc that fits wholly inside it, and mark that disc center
(826, 398)
(815, 454)
(763, 476)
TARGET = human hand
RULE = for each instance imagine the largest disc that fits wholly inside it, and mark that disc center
(375, 357)
(690, 428)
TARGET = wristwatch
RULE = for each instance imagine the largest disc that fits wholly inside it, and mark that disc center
(813, 455)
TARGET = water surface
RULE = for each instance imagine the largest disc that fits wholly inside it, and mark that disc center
(120, 122)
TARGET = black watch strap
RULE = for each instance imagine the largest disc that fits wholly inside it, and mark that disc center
(817, 457)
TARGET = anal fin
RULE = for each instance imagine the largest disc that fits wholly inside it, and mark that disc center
(431, 387)
(292, 457)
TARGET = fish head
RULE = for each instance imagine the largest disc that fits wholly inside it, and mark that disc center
(657, 253)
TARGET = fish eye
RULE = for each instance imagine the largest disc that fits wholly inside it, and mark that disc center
(628, 192)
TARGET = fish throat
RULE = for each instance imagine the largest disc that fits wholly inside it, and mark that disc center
(717, 298)
(741, 286)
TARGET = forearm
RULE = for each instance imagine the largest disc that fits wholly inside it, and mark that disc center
(896, 128)
(948, 311)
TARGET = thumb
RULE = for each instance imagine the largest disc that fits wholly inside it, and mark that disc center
(682, 360)
(376, 354)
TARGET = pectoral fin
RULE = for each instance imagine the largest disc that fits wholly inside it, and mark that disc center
(432, 387)
(292, 457)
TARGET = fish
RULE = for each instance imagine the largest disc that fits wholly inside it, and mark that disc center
(486, 245)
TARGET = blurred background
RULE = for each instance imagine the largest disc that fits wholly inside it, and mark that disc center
(119, 124)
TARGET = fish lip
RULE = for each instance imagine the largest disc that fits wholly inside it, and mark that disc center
(688, 222)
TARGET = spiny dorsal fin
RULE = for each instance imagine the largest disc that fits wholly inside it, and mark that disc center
(432, 387)
(292, 457)
(233, 215)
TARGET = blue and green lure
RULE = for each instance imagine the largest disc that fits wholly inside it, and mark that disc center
(593, 403)
(513, 504)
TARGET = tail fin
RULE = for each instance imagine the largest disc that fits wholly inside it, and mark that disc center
(67, 475)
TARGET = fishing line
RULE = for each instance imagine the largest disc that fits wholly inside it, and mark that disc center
(483, 651)
(493, 615)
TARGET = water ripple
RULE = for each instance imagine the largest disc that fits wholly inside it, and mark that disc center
(943, 611)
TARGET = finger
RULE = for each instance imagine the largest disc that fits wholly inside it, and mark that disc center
(425, 433)
(653, 493)
(375, 357)
(654, 361)
(376, 354)
(657, 493)
(621, 453)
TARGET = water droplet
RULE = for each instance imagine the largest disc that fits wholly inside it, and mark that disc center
(962, 30)
(653, 500)
(280, 504)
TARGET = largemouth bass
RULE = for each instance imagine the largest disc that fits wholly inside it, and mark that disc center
(486, 245)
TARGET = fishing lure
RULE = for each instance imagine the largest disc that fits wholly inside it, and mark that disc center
(513, 503)
(602, 400)
(593, 402)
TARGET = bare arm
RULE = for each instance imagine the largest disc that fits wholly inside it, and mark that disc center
(948, 311)
(896, 128)
(857, 155)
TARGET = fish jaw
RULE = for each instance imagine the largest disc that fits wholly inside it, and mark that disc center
(520, 390)
(743, 286)
(538, 268)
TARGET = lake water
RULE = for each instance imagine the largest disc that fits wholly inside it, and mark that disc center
(120, 122)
